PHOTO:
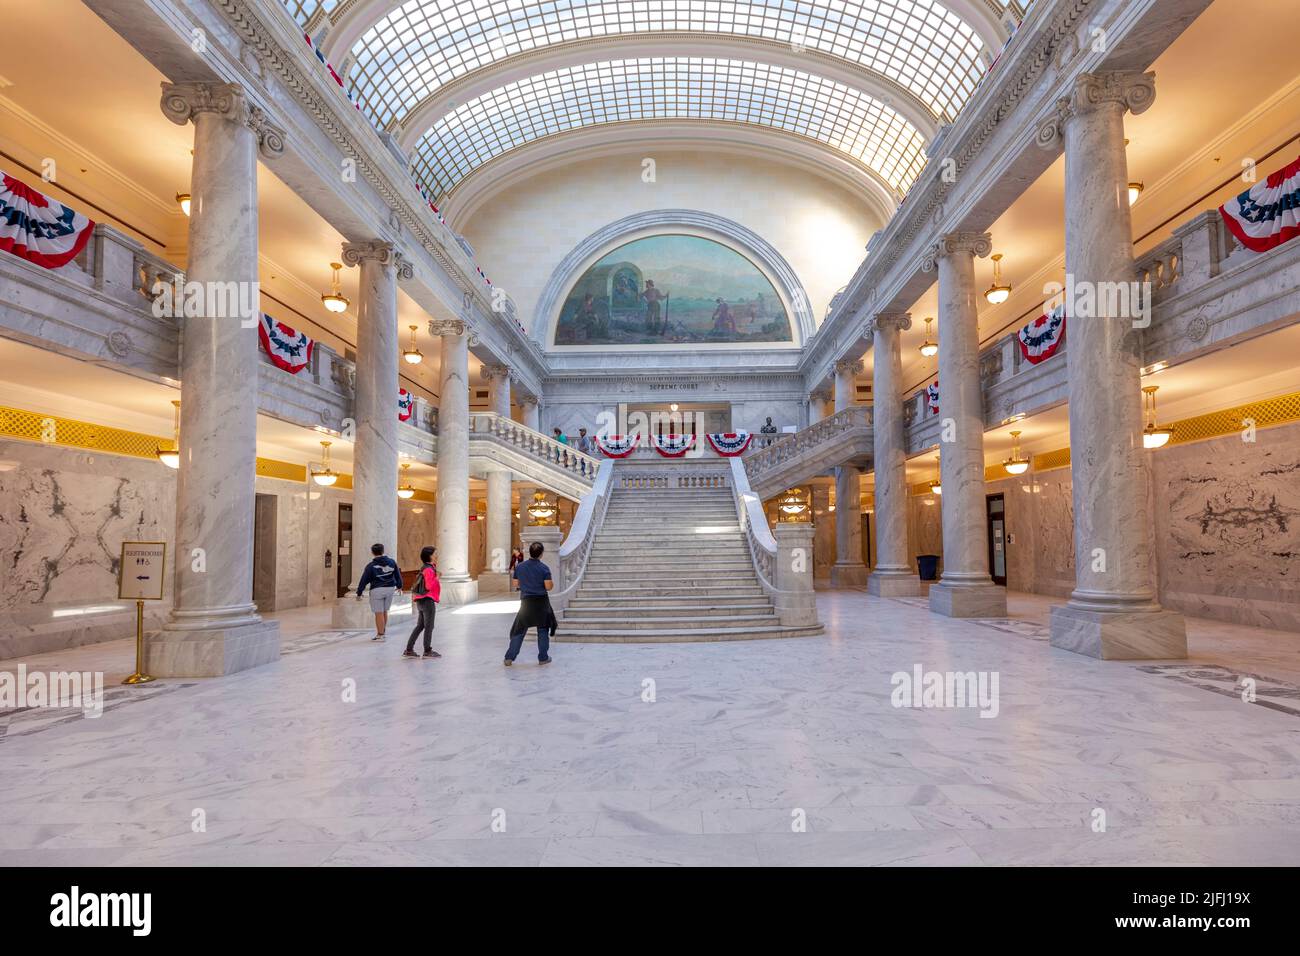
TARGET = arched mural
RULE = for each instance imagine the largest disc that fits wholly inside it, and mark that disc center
(672, 289)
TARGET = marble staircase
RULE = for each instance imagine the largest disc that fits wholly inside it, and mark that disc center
(671, 565)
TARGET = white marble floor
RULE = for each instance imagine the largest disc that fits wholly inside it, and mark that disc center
(462, 761)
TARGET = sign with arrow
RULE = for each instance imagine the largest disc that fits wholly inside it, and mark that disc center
(140, 572)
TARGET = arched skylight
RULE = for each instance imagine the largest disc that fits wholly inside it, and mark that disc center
(304, 10)
(651, 88)
(424, 44)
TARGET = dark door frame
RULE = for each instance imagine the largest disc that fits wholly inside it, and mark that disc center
(989, 518)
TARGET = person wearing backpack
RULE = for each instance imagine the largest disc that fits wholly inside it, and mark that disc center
(385, 579)
(425, 594)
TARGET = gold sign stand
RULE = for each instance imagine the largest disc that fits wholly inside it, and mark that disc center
(139, 677)
(148, 560)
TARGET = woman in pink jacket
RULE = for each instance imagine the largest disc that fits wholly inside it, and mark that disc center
(425, 593)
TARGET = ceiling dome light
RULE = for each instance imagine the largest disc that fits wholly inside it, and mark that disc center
(183, 200)
(997, 293)
(334, 300)
(412, 356)
(171, 457)
(1153, 435)
(929, 348)
(1017, 464)
(1134, 190)
(405, 490)
(324, 477)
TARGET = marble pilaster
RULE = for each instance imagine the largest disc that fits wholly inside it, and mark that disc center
(374, 451)
(494, 579)
(452, 512)
(1113, 611)
(965, 588)
(214, 628)
(849, 571)
(893, 575)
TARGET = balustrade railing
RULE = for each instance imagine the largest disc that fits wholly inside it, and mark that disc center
(582, 534)
(791, 446)
(753, 522)
(509, 432)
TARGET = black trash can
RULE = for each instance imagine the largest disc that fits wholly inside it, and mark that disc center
(928, 566)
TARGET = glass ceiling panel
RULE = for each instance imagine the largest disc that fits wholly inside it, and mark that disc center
(425, 44)
(304, 10)
(651, 88)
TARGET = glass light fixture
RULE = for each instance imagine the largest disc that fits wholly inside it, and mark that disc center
(936, 488)
(334, 300)
(412, 356)
(672, 407)
(541, 511)
(1017, 464)
(997, 293)
(1134, 190)
(325, 476)
(405, 490)
(792, 505)
(171, 457)
(1153, 435)
(929, 348)
(183, 200)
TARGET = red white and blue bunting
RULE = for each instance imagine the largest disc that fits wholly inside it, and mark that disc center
(674, 446)
(617, 446)
(1267, 214)
(730, 444)
(37, 228)
(405, 405)
(287, 348)
(1040, 339)
(932, 397)
(334, 74)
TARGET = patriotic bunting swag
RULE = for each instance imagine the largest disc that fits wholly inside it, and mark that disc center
(288, 349)
(405, 405)
(730, 444)
(37, 228)
(617, 446)
(1040, 339)
(1267, 214)
(932, 397)
(674, 446)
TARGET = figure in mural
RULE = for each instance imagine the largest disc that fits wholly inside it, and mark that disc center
(718, 296)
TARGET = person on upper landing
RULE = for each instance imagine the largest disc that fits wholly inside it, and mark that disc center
(384, 579)
(562, 438)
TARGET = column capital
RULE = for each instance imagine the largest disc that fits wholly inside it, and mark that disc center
(385, 253)
(527, 401)
(492, 373)
(822, 394)
(957, 243)
(849, 367)
(182, 102)
(1133, 91)
(446, 327)
(897, 321)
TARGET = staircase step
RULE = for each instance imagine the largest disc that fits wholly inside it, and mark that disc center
(601, 609)
(634, 593)
(678, 636)
(669, 623)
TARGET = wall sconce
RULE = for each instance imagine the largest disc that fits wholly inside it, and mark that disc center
(325, 476)
(405, 490)
(334, 300)
(1017, 464)
(412, 356)
(183, 200)
(1153, 435)
(929, 348)
(171, 457)
(997, 293)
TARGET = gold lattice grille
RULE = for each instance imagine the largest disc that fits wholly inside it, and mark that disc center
(53, 430)
(1052, 459)
(1271, 411)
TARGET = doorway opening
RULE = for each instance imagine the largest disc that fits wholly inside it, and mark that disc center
(997, 523)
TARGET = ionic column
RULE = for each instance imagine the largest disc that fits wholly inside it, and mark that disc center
(214, 627)
(374, 450)
(452, 513)
(821, 404)
(849, 571)
(1112, 612)
(494, 578)
(529, 413)
(894, 575)
(965, 589)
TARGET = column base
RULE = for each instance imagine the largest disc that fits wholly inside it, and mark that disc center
(976, 600)
(349, 614)
(1120, 635)
(211, 653)
(849, 576)
(456, 593)
(893, 585)
(494, 582)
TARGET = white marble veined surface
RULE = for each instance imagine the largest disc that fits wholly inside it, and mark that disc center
(740, 736)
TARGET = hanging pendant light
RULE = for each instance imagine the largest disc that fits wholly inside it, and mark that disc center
(1017, 464)
(171, 457)
(334, 300)
(412, 356)
(183, 200)
(929, 348)
(1153, 435)
(405, 490)
(541, 511)
(1134, 190)
(325, 476)
(936, 487)
(997, 293)
(792, 505)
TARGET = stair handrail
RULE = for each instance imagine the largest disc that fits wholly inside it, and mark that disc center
(576, 548)
(534, 443)
(786, 448)
(753, 522)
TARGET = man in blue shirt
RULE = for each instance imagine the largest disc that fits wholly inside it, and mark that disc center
(385, 579)
(533, 578)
